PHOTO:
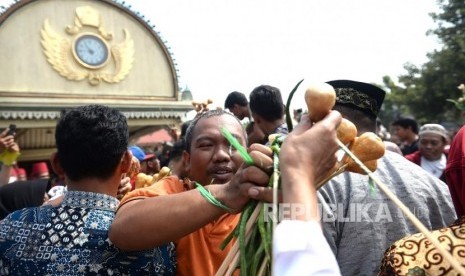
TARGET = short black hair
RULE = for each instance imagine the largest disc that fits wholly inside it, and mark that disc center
(266, 101)
(407, 122)
(362, 121)
(91, 140)
(235, 98)
(184, 127)
(177, 150)
(208, 114)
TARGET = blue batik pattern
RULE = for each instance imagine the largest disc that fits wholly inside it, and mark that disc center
(72, 239)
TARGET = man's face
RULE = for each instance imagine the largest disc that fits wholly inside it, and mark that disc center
(400, 132)
(211, 158)
(237, 111)
(431, 146)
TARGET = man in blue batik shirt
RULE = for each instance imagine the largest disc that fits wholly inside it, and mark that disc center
(70, 236)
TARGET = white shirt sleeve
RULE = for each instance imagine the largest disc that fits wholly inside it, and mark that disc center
(299, 248)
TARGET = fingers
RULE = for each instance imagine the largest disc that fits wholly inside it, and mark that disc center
(234, 194)
(124, 187)
(329, 124)
(263, 193)
(8, 139)
(303, 126)
(7, 142)
(310, 152)
(14, 147)
(255, 175)
(332, 120)
(261, 148)
(4, 132)
(134, 168)
(124, 181)
(262, 161)
(123, 190)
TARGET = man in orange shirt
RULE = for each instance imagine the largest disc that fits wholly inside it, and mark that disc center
(171, 210)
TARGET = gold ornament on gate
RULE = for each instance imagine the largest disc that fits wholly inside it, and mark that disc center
(88, 51)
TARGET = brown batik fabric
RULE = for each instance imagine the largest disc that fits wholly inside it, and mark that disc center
(416, 255)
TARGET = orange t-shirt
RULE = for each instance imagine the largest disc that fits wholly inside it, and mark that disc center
(198, 253)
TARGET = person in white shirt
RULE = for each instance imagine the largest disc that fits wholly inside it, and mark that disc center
(299, 246)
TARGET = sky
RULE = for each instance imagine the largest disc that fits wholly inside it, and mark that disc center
(223, 46)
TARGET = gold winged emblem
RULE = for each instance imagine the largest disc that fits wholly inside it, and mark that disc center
(87, 55)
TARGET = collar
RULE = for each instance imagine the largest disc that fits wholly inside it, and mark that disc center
(281, 129)
(90, 200)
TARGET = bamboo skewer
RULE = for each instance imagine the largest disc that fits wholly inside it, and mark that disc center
(232, 265)
(262, 269)
(455, 264)
(228, 260)
(232, 258)
(335, 173)
(275, 189)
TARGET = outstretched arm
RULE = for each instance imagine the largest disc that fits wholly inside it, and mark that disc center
(308, 152)
(151, 222)
(299, 244)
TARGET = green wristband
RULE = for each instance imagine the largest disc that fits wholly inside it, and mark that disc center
(210, 198)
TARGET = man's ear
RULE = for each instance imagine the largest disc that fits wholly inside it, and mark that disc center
(256, 118)
(186, 157)
(56, 166)
(126, 162)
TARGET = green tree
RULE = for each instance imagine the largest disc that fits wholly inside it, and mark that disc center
(424, 90)
(394, 103)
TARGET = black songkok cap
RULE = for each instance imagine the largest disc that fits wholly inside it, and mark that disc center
(363, 96)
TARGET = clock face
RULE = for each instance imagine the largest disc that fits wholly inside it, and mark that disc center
(91, 51)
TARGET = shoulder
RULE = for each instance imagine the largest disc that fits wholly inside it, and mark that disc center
(22, 220)
(398, 169)
(456, 153)
(168, 185)
(25, 215)
(392, 147)
(414, 157)
(413, 185)
(282, 129)
(340, 188)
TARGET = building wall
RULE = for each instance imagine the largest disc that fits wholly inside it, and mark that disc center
(25, 72)
(33, 90)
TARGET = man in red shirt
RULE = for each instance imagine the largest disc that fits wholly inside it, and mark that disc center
(430, 155)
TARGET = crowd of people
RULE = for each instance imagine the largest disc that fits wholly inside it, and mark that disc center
(87, 217)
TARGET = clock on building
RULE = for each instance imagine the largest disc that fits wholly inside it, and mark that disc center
(91, 51)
